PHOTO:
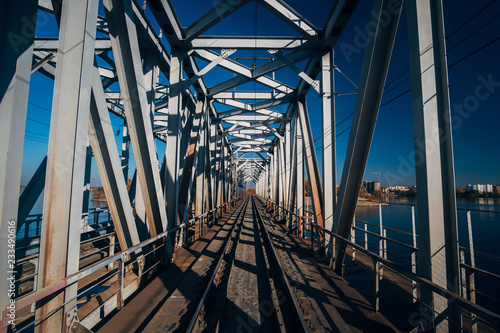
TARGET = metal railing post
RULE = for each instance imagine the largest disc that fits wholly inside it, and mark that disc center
(112, 240)
(353, 237)
(378, 275)
(120, 299)
(381, 240)
(472, 279)
(463, 275)
(385, 243)
(414, 253)
(366, 236)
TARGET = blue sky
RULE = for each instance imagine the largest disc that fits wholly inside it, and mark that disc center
(475, 110)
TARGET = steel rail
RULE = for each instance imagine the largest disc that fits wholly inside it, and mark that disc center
(289, 290)
(201, 303)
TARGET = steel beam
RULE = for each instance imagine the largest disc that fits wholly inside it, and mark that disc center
(166, 16)
(201, 188)
(288, 146)
(276, 175)
(31, 193)
(290, 17)
(312, 166)
(282, 176)
(245, 74)
(248, 117)
(249, 95)
(329, 157)
(437, 220)
(242, 112)
(252, 43)
(219, 168)
(16, 41)
(212, 153)
(292, 189)
(300, 169)
(373, 75)
(172, 182)
(108, 163)
(51, 44)
(335, 24)
(188, 176)
(125, 47)
(62, 209)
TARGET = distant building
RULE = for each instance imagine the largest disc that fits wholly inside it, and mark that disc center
(481, 188)
(398, 188)
(373, 186)
(496, 189)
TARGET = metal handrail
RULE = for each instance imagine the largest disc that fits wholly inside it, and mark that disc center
(377, 259)
(387, 239)
(387, 228)
(464, 303)
(458, 208)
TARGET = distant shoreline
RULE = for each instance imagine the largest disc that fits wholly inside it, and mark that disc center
(363, 202)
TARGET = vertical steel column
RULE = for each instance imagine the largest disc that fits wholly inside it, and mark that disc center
(172, 186)
(201, 188)
(288, 150)
(125, 46)
(151, 76)
(268, 175)
(292, 189)
(312, 167)
(276, 173)
(219, 167)
(282, 178)
(271, 176)
(225, 155)
(300, 169)
(373, 75)
(329, 152)
(17, 31)
(437, 221)
(62, 206)
(211, 155)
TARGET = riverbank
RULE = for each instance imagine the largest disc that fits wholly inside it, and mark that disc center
(364, 202)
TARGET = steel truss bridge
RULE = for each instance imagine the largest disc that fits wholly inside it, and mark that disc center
(160, 222)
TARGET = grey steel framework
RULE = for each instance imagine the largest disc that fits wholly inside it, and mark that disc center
(205, 165)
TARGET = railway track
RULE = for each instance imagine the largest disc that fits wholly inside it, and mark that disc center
(248, 290)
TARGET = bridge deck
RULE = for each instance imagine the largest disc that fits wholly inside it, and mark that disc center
(327, 301)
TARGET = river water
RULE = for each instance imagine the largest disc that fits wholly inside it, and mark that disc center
(485, 221)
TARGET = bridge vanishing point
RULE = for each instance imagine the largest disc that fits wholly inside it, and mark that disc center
(183, 248)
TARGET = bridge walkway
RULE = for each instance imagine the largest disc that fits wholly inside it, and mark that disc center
(248, 294)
